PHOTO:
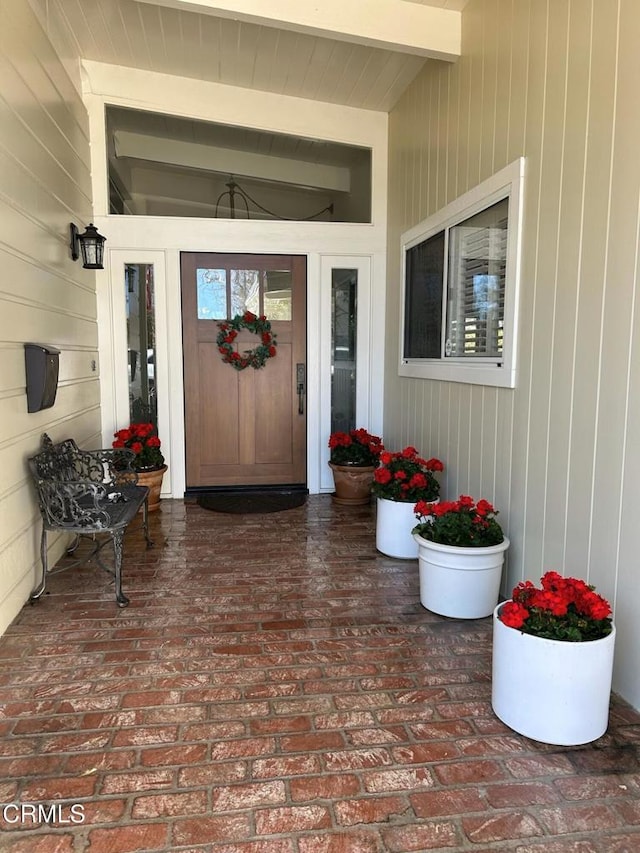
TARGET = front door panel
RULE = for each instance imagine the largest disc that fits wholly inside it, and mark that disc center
(245, 427)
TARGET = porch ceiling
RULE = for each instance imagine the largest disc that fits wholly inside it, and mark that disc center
(341, 56)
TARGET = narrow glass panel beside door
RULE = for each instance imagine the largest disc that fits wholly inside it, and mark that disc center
(141, 342)
(344, 289)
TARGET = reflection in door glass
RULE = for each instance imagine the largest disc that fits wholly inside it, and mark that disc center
(141, 342)
(344, 286)
(211, 289)
(223, 293)
(277, 295)
(245, 292)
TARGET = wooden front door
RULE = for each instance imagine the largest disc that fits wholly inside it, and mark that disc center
(244, 427)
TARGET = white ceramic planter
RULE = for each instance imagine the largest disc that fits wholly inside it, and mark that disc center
(394, 523)
(550, 690)
(463, 583)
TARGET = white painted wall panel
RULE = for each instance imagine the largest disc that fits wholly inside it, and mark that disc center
(557, 83)
(44, 297)
(626, 491)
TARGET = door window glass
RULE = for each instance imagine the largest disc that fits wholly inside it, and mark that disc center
(211, 290)
(245, 291)
(277, 295)
(223, 293)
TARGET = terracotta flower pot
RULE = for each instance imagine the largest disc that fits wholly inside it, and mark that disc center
(153, 480)
(353, 484)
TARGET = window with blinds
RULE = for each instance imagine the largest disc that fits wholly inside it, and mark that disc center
(476, 284)
(461, 279)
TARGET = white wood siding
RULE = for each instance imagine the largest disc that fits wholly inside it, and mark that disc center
(44, 297)
(555, 81)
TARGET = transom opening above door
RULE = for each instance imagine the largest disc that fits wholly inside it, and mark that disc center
(163, 165)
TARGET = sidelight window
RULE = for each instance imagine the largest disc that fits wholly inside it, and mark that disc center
(344, 321)
(141, 342)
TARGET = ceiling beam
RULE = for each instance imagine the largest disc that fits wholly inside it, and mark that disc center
(395, 25)
(228, 161)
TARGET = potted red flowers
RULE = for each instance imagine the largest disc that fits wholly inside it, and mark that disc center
(149, 461)
(461, 550)
(553, 661)
(353, 458)
(401, 479)
(561, 609)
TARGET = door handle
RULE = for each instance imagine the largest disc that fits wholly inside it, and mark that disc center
(300, 386)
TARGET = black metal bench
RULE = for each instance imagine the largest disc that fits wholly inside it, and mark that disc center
(90, 493)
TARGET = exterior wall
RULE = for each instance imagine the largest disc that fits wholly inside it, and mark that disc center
(555, 82)
(44, 297)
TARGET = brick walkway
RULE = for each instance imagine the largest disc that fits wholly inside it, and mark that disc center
(276, 687)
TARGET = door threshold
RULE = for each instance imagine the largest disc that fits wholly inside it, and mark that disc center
(286, 488)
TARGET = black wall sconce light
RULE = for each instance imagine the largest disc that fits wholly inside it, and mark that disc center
(90, 244)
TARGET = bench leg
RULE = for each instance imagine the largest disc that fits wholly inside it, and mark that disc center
(121, 598)
(74, 545)
(35, 595)
(145, 521)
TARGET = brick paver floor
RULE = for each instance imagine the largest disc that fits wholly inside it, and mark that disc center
(275, 686)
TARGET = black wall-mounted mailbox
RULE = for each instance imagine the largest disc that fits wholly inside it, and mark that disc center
(41, 363)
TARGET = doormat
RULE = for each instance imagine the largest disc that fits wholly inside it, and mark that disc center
(251, 502)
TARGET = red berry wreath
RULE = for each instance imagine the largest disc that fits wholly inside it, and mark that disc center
(255, 358)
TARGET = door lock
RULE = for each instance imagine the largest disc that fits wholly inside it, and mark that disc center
(300, 386)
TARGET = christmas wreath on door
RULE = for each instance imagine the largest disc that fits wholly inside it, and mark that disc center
(256, 357)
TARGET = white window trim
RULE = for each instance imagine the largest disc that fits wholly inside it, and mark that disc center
(507, 183)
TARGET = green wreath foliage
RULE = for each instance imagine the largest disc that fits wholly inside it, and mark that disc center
(256, 357)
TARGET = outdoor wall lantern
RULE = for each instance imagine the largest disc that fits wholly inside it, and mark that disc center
(90, 244)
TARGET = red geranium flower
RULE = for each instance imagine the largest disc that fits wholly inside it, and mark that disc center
(561, 609)
(382, 475)
(458, 523)
(408, 477)
(514, 614)
(357, 447)
(141, 438)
